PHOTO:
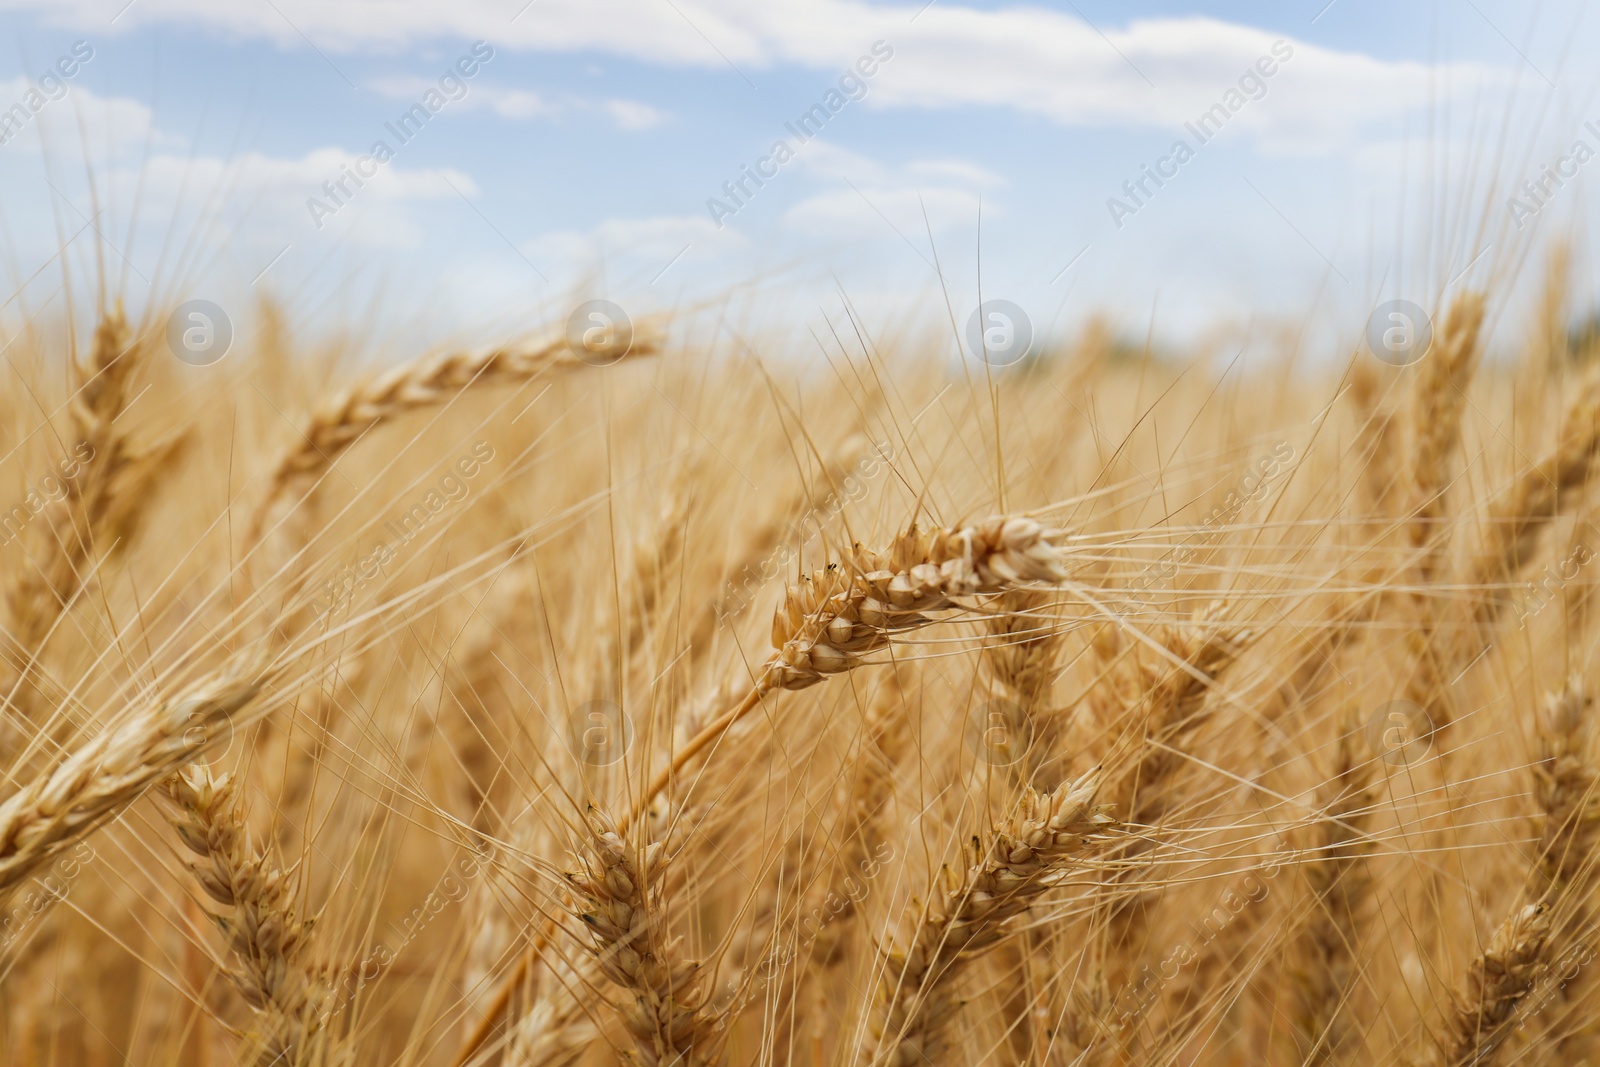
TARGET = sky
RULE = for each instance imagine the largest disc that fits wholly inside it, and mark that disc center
(1185, 169)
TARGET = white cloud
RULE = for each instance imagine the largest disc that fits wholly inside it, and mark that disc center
(525, 104)
(116, 138)
(875, 211)
(78, 116)
(507, 103)
(641, 247)
(969, 173)
(271, 195)
(515, 103)
(648, 237)
(1153, 72)
(870, 198)
(824, 159)
(632, 115)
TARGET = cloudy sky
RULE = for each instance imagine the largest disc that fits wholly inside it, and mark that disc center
(557, 149)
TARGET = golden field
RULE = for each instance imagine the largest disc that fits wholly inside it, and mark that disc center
(728, 705)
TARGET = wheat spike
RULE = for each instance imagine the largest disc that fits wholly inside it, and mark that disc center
(1171, 705)
(1438, 400)
(99, 507)
(1521, 512)
(1027, 854)
(424, 383)
(113, 769)
(1496, 983)
(1324, 954)
(1172, 702)
(256, 913)
(834, 618)
(619, 899)
(1565, 780)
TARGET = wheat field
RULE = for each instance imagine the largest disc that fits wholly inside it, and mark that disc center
(706, 705)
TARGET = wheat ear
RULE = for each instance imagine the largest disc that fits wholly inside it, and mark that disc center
(1551, 346)
(1021, 657)
(834, 618)
(1497, 982)
(1565, 781)
(101, 502)
(619, 899)
(1565, 778)
(1322, 956)
(560, 1027)
(1521, 512)
(1172, 702)
(1502, 977)
(653, 557)
(1376, 445)
(110, 771)
(1438, 401)
(423, 383)
(258, 917)
(1019, 860)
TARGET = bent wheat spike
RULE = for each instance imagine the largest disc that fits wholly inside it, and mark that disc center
(425, 383)
(834, 618)
(101, 778)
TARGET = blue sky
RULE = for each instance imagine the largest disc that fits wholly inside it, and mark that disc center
(1376, 160)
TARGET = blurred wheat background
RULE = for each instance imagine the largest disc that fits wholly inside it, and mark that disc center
(698, 705)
